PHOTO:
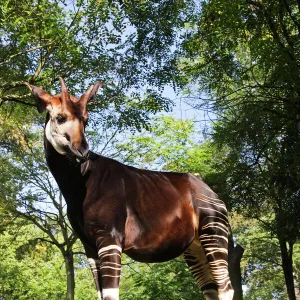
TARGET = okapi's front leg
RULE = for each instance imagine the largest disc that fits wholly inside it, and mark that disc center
(95, 268)
(94, 263)
(110, 269)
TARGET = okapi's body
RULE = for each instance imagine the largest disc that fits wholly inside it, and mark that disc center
(150, 216)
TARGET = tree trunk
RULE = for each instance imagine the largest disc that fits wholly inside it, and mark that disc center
(69, 264)
(235, 254)
(287, 266)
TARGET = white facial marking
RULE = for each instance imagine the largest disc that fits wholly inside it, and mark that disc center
(112, 294)
(56, 133)
(54, 139)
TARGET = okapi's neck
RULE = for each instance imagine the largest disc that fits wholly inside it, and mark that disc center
(68, 173)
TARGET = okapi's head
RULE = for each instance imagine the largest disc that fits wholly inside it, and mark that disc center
(67, 118)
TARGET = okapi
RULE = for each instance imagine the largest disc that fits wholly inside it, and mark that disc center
(114, 208)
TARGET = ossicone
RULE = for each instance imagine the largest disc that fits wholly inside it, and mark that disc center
(46, 101)
(65, 96)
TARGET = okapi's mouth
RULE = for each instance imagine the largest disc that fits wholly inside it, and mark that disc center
(80, 154)
(73, 156)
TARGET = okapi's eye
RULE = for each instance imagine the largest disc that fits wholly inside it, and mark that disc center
(60, 119)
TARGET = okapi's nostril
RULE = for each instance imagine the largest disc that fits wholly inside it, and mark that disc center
(67, 137)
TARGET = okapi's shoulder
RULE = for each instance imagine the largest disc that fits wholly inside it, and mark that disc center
(98, 162)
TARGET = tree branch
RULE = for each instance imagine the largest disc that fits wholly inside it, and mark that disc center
(291, 15)
(23, 52)
(34, 221)
(79, 253)
(17, 99)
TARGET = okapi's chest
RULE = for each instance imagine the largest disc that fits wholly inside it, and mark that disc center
(150, 212)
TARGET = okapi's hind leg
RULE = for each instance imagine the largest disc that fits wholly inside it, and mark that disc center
(207, 256)
(197, 261)
(213, 235)
(214, 241)
(210, 272)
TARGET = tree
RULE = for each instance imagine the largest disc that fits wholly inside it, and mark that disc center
(28, 266)
(171, 144)
(245, 56)
(32, 268)
(261, 264)
(37, 198)
(166, 281)
(83, 42)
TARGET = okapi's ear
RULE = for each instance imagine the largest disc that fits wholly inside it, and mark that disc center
(42, 98)
(91, 93)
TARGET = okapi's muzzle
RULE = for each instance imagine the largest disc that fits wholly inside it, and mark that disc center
(81, 152)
